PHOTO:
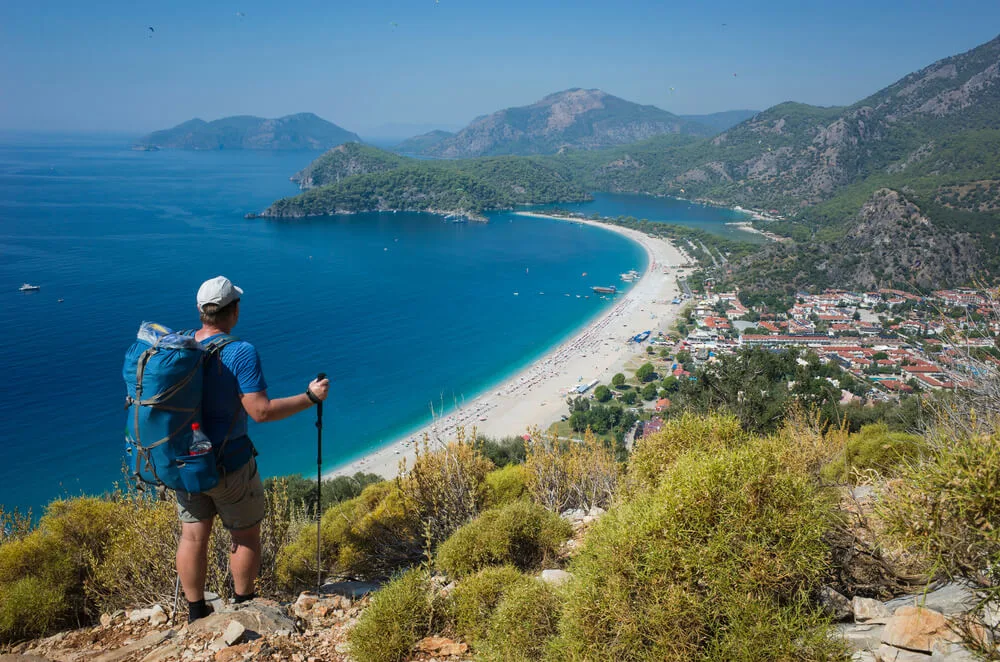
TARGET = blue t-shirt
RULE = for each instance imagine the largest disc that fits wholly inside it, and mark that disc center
(238, 372)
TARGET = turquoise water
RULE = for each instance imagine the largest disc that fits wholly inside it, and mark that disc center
(666, 210)
(401, 310)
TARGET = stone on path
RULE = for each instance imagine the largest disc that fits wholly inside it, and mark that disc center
(916, 628)
(151, 639)
(892, 654)
(867, 609)
(257, 620)
(834, 604)
(950, 599)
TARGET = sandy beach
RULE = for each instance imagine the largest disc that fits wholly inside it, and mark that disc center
(536, 396)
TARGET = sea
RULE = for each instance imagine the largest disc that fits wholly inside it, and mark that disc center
(409, 315)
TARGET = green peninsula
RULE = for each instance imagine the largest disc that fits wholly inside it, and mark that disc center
(356, 178)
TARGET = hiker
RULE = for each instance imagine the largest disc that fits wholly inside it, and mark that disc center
(234, 387)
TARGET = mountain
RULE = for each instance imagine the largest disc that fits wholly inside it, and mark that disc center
(345, 161)
(574, 119)
(423, 143)
(356, 178)
(300, 131)
(718, 122)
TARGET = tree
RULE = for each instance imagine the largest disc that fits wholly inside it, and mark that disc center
(618, 380)
(649, 350)
(664, 354)
(645, 373)
(628, 397)
(649, 391)
(670, 384)
(683, 356)
(602, 393)
(856, 316)
(879, 356)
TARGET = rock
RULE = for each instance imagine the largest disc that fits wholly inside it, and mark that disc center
(163, 653)
(574, 515)
(158, 616)
(950, 599)
(257, 619)
(917, 629)
(892, 654)
(834, 604)
(555, 577)
(595, 512)
(441, 646)
(234, 631)
(947, 651)
(343, 648)
(305, 603)
(23, 658)
(863, 656)
(861, 637)
(867, 609)
(152, 639)
(105, 620)
(322, 610)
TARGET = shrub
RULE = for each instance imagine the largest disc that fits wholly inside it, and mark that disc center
(719, 559)
(649, 392)
(371, 535)
(564, 475)
(301, 491)
(506, 485)
(522, 534)
(472, 603)
(876, 449)
(501, 452)
(444, 489)
(602, 393)
(523, 623)
(652, 456)
(30, 607)
(398, 616)
(138, 564)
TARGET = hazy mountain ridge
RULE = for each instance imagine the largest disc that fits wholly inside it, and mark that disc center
(572, 119)
(291, 132)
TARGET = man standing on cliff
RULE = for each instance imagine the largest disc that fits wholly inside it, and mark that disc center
(234, 387)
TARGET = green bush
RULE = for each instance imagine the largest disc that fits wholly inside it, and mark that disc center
(522, 534)
(508, 450)
(506, 485)
(302, 491)
(873, 448)
(472, 603)
(57, 558)
(371, 536)
(399, 615)
(523, 623)
(718, 562)
(653, 455)
(30, 607)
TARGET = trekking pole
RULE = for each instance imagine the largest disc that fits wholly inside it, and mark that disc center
(319, 485)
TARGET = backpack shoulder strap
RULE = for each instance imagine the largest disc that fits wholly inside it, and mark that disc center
(215, 345)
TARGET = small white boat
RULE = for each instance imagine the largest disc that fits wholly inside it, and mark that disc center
(29, 288)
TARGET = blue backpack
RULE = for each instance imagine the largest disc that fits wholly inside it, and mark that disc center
(163, 376)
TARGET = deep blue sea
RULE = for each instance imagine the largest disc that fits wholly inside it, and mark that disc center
(401, 310)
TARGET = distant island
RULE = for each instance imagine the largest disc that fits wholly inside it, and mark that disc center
(304, 131)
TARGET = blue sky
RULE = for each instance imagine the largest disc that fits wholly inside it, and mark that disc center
(91, 65)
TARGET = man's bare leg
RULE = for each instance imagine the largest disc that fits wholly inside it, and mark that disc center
(244, 561)
(192, 558)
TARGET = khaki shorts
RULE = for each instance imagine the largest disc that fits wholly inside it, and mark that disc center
(238, 500)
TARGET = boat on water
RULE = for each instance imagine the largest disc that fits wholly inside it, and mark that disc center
(27, 287)
(604, 290)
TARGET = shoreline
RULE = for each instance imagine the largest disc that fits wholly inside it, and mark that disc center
(536, 394)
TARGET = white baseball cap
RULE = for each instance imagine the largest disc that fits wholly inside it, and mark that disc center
(219, 291)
